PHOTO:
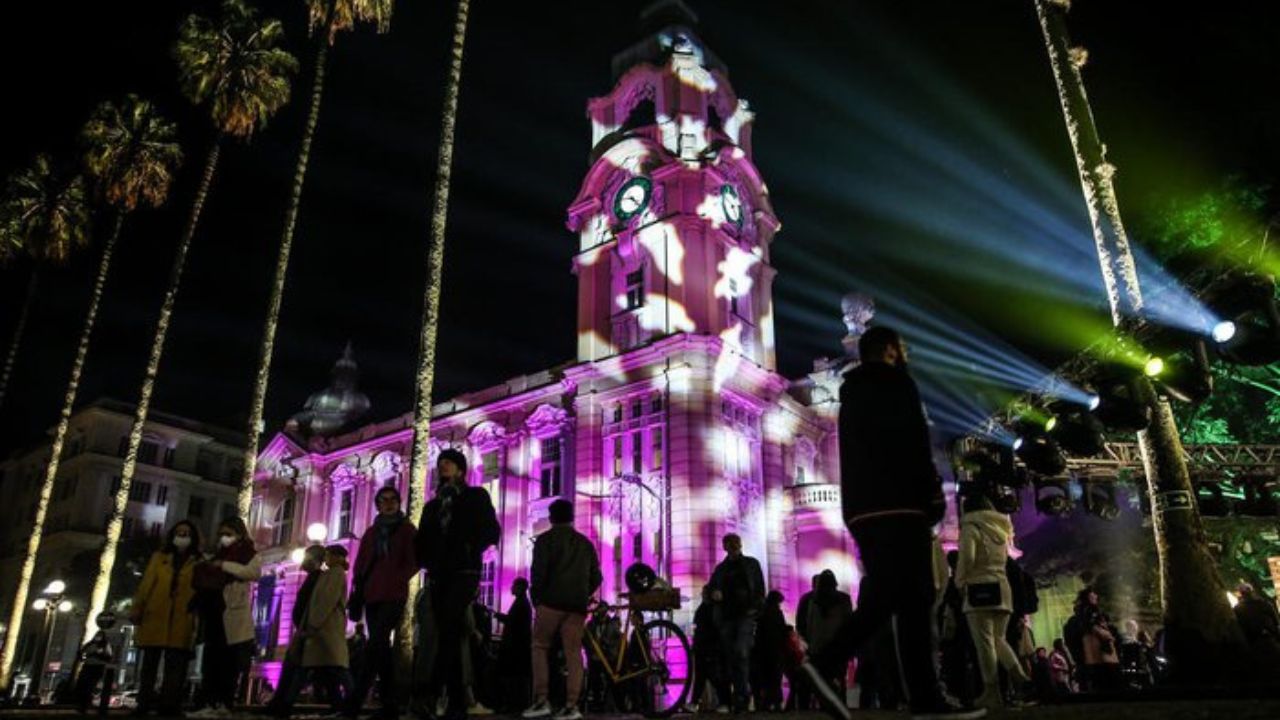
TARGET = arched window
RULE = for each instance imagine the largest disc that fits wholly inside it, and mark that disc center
(282, 523)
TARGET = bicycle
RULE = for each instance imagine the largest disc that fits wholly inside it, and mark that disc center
(648, 665)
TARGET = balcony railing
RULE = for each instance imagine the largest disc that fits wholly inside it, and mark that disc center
(815, 496)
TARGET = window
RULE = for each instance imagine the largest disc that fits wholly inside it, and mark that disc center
(637, 452)
(140, 491)
(123, 446)
(234, 470)
(488, 573)
(800, 478)
(733, 296)
(656, 448)
(115, 486)
(156, 528)
(655, 405)
(489, 461)
(168, 457)
(195, 507)
(637, 407)
(162, 495)
(617, 456)
(635, 289)
(282, 528)
(617, 413)
(148, 452)
(127, 527)
(346, 502)
(637, 547)
(206, 463)
(550, 467)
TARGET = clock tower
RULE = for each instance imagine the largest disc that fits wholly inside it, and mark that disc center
(673, 218)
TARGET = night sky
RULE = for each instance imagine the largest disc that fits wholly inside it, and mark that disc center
(881, 128)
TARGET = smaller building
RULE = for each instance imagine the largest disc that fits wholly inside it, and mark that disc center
(186, 470)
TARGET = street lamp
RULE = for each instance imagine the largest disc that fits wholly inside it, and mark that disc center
(317, 532)
(50, 603)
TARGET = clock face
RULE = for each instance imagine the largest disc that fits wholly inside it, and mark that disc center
(731, 204)
(632, 198)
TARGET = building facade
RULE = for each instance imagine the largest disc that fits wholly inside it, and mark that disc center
(671, 427)
(186, 470)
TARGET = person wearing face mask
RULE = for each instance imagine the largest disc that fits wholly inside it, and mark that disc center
(164, 626)
(223, 584)
(318, 646)
(458, 525)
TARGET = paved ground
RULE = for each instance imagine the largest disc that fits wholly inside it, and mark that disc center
(1165, 710)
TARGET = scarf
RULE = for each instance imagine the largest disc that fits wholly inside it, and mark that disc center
(448, 493)
(209, 575)
(387, 525)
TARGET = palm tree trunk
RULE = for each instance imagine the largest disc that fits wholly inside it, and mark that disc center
(258, 402)
(431, 311)
(102, 584)
(55, 457)
(1202, 631)
(18, 331)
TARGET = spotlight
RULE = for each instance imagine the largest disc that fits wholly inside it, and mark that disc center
(1153, 366)
(1209, 496)
(1053, 496)
(1042, 455)
(1259, 499)
(1017, 444)
(1079, 434)
(1100, 500)
(1188, 379)
(1050, 424)
(1247, 304)
(1094, 402)
(1121, 402)
(991, 465)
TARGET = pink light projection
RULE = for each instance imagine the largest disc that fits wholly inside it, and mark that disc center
(672, 427)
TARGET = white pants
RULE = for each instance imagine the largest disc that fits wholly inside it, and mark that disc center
(988, 629)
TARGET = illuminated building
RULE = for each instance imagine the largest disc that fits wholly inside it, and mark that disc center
(672, 426)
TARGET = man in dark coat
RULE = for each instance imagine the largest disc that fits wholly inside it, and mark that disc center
(458, 525)
(891, 497)
(737, 587)
(514, 654)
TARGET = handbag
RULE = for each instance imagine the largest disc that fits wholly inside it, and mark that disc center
(983, 595)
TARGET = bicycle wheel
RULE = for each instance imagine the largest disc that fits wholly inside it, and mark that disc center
(666, 686)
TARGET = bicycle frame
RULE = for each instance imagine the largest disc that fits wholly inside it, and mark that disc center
(614, 669)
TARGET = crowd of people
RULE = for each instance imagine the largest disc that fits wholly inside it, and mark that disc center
(945, 635)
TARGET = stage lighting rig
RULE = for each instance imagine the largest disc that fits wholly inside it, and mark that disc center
(1249, 330)
(1077, 432)
(1100, 500)
(1053, 496)
(1211, 499)
(1041, 455)
(1121, 405)
(1259, 497)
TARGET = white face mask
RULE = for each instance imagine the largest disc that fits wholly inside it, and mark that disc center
(182, 543)
(226, 540)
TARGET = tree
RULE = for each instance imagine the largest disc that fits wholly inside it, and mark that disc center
(48, 212)
(426, 372)
(235, 66)
(33, 223)
(133, 154)
(328, 18)
(1202, 631)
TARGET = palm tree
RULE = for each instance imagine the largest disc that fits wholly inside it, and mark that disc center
(236, 67)
(47, 210)
(26, 229)
(1193, 596)
(132, 154)
(328, 18)
(426, 373)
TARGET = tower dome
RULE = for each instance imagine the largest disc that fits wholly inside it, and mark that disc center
(328, 411)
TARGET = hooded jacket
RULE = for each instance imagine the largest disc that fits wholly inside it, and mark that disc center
(886, 457)
(984, 547)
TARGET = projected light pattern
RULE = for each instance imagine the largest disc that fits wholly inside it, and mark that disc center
(671, 429)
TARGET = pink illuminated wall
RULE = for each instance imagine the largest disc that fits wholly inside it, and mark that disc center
(673, 426)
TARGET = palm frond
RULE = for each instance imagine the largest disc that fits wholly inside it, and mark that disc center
(342, 15)
(45, 211)
(236, 65)
(131, 152)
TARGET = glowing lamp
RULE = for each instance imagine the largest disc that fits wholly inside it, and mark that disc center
(56, 587)
(40, 604)
(1017, 444)
(1232, 599)
(1153, 367)
(1224, 331)
(297, 555)
(65, 606)
(1050, 424)
(317, 532)
(1094, 402)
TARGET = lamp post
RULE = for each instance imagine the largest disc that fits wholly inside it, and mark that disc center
(50, 602)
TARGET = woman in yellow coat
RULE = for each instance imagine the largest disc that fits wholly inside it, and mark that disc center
(164, 626)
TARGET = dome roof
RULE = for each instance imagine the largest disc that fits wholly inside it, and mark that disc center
(334, 408)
